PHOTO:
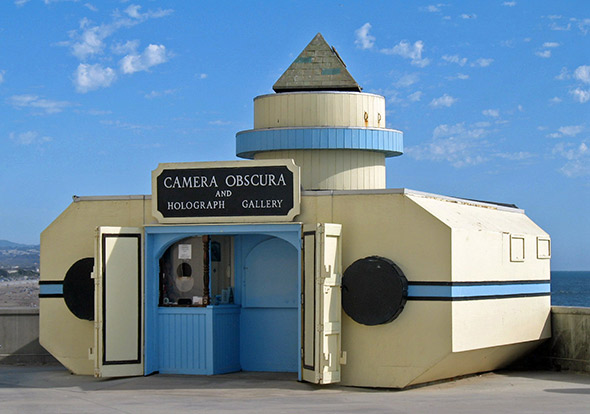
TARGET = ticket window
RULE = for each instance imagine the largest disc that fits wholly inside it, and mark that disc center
(197, 271)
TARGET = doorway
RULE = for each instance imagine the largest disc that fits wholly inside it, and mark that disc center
(257, 330)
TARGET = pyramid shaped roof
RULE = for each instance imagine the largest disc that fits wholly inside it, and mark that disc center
(317, 68)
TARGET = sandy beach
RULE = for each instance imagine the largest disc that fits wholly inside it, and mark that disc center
(19, 293)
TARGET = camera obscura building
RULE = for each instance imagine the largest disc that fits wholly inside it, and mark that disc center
(298, 259)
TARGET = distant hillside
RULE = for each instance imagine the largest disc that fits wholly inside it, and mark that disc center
(5, 244)
(16, 254)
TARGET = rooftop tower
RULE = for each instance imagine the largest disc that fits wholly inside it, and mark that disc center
(320, 118)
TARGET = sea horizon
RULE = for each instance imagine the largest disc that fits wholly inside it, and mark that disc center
(570, 288)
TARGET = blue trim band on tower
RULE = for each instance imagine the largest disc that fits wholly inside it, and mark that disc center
(477, 291)
(387, 141)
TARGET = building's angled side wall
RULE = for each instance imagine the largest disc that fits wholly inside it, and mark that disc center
(69, 238)
(481, 243)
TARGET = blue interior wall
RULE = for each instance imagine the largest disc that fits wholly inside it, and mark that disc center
(223, 346)
(269, 316)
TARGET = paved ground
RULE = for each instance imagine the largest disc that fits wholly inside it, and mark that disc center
(51, 389)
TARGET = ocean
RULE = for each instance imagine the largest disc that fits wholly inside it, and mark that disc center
(570, 288)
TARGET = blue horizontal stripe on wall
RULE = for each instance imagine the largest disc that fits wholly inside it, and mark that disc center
(388, 141)
(51, 289)
(477, 291)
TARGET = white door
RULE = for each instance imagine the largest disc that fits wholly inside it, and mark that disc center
(321, 304)
(118, 316)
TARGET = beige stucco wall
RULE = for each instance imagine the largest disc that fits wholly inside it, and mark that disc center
(68, 239)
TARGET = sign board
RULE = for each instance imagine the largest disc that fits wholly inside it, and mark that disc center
(238, 191)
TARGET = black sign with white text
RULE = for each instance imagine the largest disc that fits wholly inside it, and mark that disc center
(225, 192)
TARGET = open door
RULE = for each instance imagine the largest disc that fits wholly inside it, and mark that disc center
(118, 326)
(321, 308)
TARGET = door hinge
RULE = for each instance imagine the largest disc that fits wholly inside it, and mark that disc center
(319, 327)
(302, 298)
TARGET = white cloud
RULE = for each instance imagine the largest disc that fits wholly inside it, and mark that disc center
(21, 2)
(33, 101)
(409, 51)
(201, 75)
(133, 11)
(443, 101)
(550, 44)
(156, 94)
(2, 72)
(509, 3)
(455, 59)
(544, 54)
(572, 130)
(582, 73)
(415, 97)
(136, 128)
(219, 122)
(152, 55)
(568, 131)
(584, 25)
(460, 76)
(91, 77)
(432, 8)
(515, 156)
(363, 39)
(89, 40)
(577, 158)
(98, 112)
(393, 97)
(581, 95)
(458, 144)
(563, 74)
(90, 7)
(557, 27)
(482, 63)
(555, 100)
(129, 46)
(407, 80)
(494, 113)
(469, 16)
(28, 138)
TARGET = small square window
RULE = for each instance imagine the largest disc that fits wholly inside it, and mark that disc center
(543, 247)
(516, 248)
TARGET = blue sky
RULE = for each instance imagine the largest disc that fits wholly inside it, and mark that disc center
(493, 97)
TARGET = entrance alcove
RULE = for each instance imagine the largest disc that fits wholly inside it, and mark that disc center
(259, 331)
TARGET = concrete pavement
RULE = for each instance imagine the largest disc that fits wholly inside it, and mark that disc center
(51, 389)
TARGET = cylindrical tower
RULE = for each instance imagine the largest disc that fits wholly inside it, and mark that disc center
(320, 118)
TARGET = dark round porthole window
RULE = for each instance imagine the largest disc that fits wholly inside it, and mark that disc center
(184, 270)
(79, 289)
(374, 291)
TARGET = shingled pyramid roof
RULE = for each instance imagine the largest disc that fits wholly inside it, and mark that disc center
(317, 68)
